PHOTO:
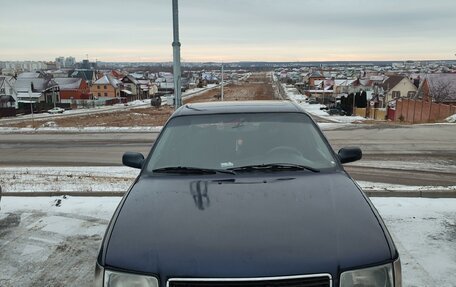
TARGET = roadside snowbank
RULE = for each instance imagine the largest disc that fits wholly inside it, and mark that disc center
(370, 186)
(50, 129)
(435, 165)
(451, 119)
(118, 179)
(316, 109)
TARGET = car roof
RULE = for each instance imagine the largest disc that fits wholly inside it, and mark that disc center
(231, 107)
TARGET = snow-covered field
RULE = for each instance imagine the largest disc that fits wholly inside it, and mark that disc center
(61, 179)
(53, 241)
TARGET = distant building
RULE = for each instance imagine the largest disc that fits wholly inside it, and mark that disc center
(32, 89)
(58, 73)
(88, 75)
(396, 87)
(106, 87)
(8, 95)
(87, 65)
(131, 87)
(73, 90)
(315, 76)
(70, 62)
(60, 62)
(147, 89)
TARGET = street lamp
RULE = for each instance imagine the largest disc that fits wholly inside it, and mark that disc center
(31, 105)
(222, 83)
(176, 56)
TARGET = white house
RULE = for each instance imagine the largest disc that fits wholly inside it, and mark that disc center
(8, 95)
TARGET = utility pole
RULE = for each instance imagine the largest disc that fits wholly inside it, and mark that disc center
(31, 105)
(176, 57)
(53, 96)
(222, 83)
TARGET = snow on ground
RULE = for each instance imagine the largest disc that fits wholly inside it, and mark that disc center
(50, 129)
(118, 179)
(424, 231)
(50, 241)
(60, 179)
(451, 119)
(345, 119)
(294, 94)
(370, 186)
(436, 165)
(316, 109)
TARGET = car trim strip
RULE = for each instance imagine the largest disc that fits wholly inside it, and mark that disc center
(252, 278)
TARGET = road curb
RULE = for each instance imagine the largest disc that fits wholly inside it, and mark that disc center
(414, 193)
(370, 193)
(65, 193)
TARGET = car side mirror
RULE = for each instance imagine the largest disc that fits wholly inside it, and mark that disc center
(133, 159)
(350, 154)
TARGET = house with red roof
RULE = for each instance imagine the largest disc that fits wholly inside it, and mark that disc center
(73, 89)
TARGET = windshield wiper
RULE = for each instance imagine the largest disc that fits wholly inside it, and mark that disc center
(191, 170)
(274, 167)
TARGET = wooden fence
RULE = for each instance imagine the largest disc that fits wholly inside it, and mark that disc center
(417, 111)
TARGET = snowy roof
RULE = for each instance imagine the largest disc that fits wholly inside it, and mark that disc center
(377, 78)
(316, 74)
(365, 82)
(28, 75)
(107, 80)
(23, 85)
(344, 82)
(144, 82)
(137, 76)
(68, 83)
(130, 78)
(87, 75)
(320, 91)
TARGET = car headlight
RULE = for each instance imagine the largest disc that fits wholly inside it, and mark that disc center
(379, 276)
(120, 279)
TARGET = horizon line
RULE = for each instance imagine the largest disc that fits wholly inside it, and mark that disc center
(246, 61)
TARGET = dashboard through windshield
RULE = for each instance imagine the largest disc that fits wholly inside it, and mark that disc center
(230, 141)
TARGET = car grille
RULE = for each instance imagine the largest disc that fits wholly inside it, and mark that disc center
(304, 281)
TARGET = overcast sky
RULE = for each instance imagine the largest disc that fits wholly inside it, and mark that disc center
(229, 30)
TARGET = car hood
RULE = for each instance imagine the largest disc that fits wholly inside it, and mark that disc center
(182, 226)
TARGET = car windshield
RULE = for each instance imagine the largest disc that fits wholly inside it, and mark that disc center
(230, 141)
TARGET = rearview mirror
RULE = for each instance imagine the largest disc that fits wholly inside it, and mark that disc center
(350, 154)
(133, 159)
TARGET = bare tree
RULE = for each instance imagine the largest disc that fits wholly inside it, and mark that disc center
(440, 90)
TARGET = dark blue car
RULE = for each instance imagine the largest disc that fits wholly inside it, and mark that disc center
(245, 194)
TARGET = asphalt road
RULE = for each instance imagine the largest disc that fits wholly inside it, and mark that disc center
(422, 145)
